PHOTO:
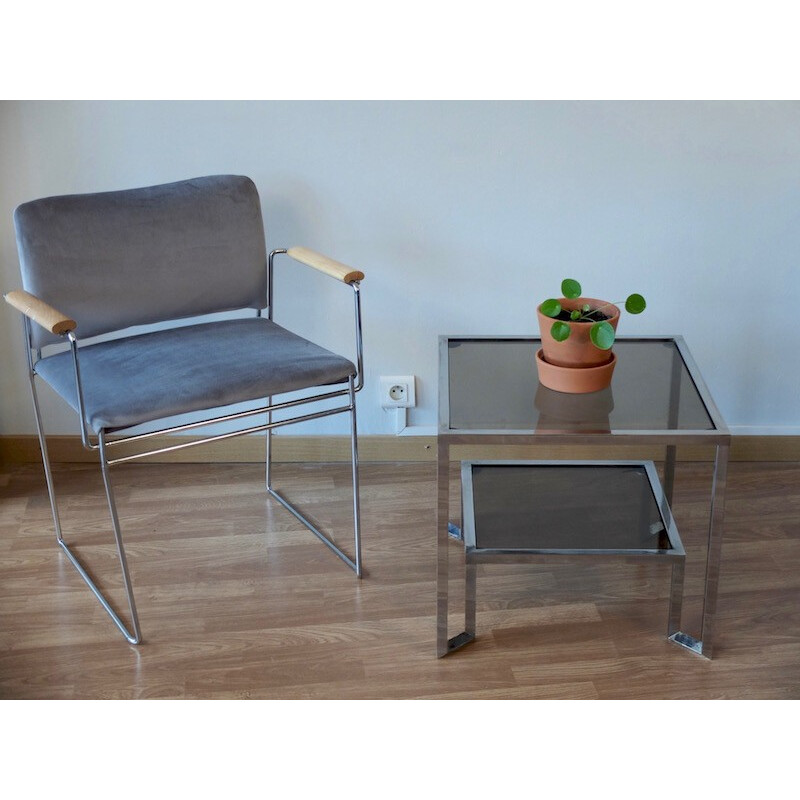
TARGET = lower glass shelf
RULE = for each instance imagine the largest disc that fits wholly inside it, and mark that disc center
(536, 510)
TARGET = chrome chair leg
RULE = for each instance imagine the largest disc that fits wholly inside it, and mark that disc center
(356, 486)
(136, 636)
(354, 565)
(48, 474)
(269, 447)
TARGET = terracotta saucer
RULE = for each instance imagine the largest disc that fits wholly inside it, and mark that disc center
(574, 380)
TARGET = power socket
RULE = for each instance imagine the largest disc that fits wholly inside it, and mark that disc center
(397, 391)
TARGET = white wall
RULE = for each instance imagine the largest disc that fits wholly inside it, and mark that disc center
(464, 215)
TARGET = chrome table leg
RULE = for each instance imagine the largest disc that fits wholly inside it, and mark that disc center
(705, 644)
(444, 530)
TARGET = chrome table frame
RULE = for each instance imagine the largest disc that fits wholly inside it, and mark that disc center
(719, 437)
(346, 403)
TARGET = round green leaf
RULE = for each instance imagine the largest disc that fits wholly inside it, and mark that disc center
(574, 315)
(602, 335)
(570, 288)
(586, 308)
(551, 308)
(560, 331)
(635, 304)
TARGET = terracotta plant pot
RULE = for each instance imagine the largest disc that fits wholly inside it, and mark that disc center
(577, 350)
(574, 380)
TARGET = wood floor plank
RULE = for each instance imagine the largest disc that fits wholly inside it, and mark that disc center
(238, 600)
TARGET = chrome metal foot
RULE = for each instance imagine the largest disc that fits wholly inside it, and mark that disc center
(688, 642)
(459, 641)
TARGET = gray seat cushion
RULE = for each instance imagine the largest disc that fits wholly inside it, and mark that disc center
(150, 376)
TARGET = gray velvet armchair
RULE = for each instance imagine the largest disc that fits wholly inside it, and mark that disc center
(95, 265)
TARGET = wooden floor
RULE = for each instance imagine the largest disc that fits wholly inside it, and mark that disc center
(237, 600)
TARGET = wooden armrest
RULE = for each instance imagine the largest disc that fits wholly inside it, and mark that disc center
(324, 264)
(40, 312)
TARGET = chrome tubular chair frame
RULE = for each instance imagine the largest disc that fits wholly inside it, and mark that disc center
(102, 446)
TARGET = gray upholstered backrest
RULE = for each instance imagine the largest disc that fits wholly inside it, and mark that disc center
(115, 259)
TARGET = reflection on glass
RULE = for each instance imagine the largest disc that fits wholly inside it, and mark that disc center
(574, 507)
(560, 412)
(493, 385)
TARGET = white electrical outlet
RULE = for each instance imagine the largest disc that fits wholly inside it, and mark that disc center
(397, 391)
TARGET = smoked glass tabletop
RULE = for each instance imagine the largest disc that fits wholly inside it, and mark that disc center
(492, 384)
(541, 506)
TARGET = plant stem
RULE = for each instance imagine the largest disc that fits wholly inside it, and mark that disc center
(606, 305)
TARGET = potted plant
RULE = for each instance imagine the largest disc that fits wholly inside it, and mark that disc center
(577, 338)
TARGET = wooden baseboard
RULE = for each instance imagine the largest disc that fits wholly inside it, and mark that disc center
(24, 449)
(244, 449)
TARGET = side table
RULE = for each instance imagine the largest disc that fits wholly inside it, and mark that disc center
(490, 396)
